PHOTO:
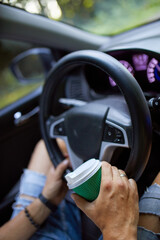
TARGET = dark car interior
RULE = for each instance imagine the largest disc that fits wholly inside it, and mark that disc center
(137, 50)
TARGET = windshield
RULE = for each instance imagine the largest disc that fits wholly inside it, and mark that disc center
(103, 17)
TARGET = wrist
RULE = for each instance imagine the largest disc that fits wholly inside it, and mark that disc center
(47, 203)
(38, 211)
(47, 195)
(42, 207)
(122, 234)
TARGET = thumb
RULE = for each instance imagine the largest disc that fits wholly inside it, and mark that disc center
(80, 202)
(61, 168)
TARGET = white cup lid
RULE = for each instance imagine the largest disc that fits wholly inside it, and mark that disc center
(82, 173)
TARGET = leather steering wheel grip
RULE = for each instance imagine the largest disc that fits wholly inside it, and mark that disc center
(137, 105)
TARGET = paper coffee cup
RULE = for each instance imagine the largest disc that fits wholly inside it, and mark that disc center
(86, 179)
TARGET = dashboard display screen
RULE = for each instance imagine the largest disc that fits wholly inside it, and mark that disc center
(140, 61)
(143, 65)
(153, 70)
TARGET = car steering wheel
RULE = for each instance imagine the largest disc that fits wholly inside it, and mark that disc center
(96, 129)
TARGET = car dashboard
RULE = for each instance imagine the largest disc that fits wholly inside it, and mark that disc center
(143, 65)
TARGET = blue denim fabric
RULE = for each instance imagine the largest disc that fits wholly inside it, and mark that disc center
(150, 201)
(65, 223)
(144, 234)
(149, 204)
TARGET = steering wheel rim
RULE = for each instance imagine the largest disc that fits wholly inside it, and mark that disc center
(138, 108)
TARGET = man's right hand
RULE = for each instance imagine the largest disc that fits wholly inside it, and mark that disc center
(115, 211)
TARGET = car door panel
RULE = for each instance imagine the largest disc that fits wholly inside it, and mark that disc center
(16, 145)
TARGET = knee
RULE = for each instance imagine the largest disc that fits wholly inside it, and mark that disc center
(150, 222)
(149, 207)
(40, 160)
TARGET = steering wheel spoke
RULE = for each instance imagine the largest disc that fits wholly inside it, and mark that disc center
(114, 136)
(74, 159)
(56, 129)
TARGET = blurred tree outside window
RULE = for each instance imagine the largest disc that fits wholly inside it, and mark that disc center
(10, 88)
(104, 17)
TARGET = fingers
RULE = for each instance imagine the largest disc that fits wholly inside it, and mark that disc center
(111, 177)
(122, 173)
(134, 199)
(121, 183)
(123, 176)
(80, 202)
(133, 189)
(62, 146)
(116, 174)
(61, 168)
(118, 180)
(132, 184)
(106, 171)
(106, 178)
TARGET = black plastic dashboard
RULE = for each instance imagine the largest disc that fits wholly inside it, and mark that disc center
(89, 83)
(143, 65)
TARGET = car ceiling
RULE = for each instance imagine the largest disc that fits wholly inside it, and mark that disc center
(13, 21)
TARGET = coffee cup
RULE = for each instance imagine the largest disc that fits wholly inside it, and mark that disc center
(86, 179)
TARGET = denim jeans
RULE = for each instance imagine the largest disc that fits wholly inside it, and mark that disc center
(65, 222)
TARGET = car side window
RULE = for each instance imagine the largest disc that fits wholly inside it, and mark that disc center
(11, 89)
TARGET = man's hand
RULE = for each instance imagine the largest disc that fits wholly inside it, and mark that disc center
(115, 211)
(55, 188)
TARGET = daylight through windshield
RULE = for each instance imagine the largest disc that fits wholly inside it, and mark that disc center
(103, 17)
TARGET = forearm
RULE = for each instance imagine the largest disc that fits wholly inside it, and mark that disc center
(20, 227)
